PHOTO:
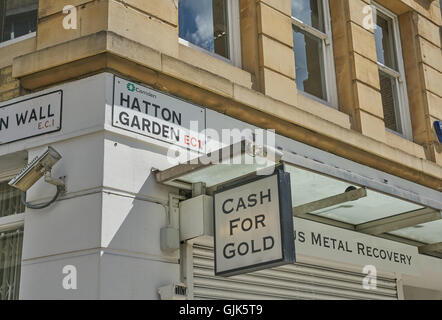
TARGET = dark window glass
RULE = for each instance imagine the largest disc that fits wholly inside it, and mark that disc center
(390, 105)
(309, 12)
(17, 18)
(309, 62)
(7, 33)
(205, 24)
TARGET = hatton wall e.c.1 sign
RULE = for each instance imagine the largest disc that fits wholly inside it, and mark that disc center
(31, 117)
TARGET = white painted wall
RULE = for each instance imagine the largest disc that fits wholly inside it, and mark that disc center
(430, 274)
(106, 225)
(416, 293)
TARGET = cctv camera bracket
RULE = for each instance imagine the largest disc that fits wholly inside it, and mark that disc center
(56, 182)
(61, 189)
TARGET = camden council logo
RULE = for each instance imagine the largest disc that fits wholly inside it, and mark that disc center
(131, 87)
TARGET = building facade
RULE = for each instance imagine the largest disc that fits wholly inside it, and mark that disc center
(351, 89)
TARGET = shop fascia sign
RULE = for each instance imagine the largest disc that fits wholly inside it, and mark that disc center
(348, 247)
(253, 225)
(31, 117)
(147, 112)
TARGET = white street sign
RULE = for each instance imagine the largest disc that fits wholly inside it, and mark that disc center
(154, 114)
(31, 117)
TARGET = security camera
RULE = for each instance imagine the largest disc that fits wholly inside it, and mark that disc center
(35, 169)
(40, 166)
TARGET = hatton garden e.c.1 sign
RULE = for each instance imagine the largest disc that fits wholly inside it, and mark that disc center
(253, 225)
(147, 112)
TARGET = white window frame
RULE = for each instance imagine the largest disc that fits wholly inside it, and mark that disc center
(15, 40)
(233, 18)
(10, 223)
(14, 221)
(328, 62)
(399, 76)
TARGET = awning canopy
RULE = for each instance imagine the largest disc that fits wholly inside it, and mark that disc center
(374, 202)
(221, 166)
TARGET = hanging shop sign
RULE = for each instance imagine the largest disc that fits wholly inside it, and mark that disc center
(31, 117)
(253, 225)
(150, 113)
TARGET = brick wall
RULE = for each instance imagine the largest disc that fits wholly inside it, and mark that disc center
(9, 87)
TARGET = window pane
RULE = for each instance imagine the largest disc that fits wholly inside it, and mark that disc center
(7, 33)
(309, 64)
(10, 202)
(20, 6)
(220, 22)
(384, 38)
(11, 243)
(310, 12)
(205, 24)
(389, 93)
(20, 18)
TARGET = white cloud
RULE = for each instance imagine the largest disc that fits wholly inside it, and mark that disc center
(203, 16)
(301, 9)
(204, 35)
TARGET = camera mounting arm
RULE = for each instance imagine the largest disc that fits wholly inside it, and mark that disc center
(54, 181)
(61, 189)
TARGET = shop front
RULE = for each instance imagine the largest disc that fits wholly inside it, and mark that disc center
(135, 159)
